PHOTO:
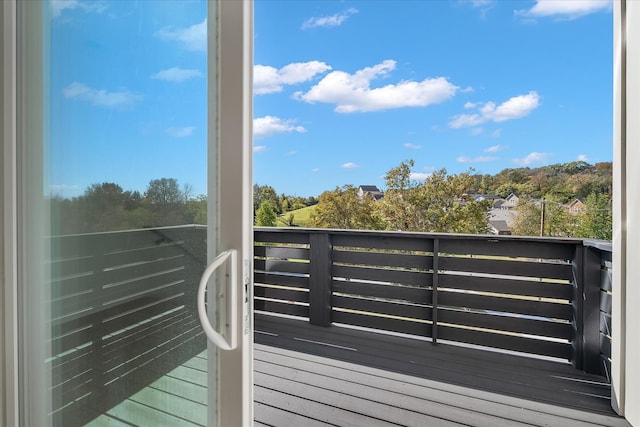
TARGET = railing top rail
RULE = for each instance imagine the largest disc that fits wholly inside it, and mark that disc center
(450, 236)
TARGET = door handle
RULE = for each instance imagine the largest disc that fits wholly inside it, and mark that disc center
(232, 285)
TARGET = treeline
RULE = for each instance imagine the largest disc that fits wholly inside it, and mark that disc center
(449, 203)
(107, 207)
(562, 182)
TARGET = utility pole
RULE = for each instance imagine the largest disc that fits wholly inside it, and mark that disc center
(542, 215)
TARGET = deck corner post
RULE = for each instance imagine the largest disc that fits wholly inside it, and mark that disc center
(592, 266)
(320, 279)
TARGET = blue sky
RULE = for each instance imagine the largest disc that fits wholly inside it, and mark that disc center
(344, 90)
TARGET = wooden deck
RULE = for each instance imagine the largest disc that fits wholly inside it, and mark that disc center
(315, 376)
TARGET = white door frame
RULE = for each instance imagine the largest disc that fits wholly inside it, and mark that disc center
(626, 212)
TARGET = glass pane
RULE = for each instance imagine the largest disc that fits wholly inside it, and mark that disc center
(121, 160)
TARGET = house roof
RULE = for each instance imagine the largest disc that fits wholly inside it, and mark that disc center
(370, 189)
(499, 225)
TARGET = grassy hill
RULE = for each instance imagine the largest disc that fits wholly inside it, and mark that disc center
(300, 217)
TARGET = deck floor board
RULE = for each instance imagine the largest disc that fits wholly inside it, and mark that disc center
(307, 376)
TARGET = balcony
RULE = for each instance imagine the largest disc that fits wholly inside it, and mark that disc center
(351, 328)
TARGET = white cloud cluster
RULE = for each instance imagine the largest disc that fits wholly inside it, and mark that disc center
(270, 125)
(259, 148)
(495, 148)
(329, 21)
(411, 146)
(267, 79)
(176, 75)
(479, 159)
(122, 99)
(59, 6)
(514, 108)
(583, 158)
(353, 92)
(182, 132)
(419, 176)
(566, 9)
(349, 165)
(532, 158)
(193, 37)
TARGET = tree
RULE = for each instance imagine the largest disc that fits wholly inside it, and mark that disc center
(343, 208)
(266, 215)
(437, 205)
(557, 220)
(596, 222)
(164, 191)
(265, 193)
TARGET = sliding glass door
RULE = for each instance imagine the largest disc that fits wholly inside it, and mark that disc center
(133, 174)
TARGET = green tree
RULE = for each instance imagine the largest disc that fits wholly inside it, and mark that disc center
(437, 205)
(342, 208)
(557, 220)
(596, 222)
(266, 215)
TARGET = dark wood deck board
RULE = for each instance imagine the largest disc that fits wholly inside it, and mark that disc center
(353, 362)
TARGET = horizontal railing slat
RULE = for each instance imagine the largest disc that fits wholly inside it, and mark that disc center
(507, 268)
(383, 323)
(405, 277)
(393, 292)
(508, 247)
(282, 294)
(397, 260)
(281, 307)
(281, 279)
(508, 305)
(506, 286)
(382, 308)
(382, 241)
(513, 324)
(281, 252)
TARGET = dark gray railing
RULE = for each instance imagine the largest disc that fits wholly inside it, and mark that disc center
(123, 303)
(537, 296)
(123, 314)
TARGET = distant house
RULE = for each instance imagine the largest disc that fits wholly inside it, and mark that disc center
(371, 190)
(499, 227)
(576, 207)
(511, 201)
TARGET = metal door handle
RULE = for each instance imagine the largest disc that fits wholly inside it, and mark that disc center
(232, 285)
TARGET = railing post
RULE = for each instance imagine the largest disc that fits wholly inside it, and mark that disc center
(434, 293)
(578, 307)
(320, 278)
(591, 262)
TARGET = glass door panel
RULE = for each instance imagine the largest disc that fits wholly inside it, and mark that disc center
(124, 160)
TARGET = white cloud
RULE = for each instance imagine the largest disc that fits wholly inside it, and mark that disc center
(583, 158)
(479, 159)
(513, 108)
(532, 158)
(259, 148)
(329, 21)
(496, 133)
(349, 165)
(353, 93)
(59, 6)
(291, 153)
(469, 105)
(182, 132)
(122, 99)
(565, 9)
(419, 176)
(193, 37)
(267, 79)
(176, 74)
(495, 148)
(315, 170)
(411, 146)
(476, 131)
(270, 125)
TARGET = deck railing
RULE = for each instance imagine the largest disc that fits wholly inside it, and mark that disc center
(538, 296)
(123, 303)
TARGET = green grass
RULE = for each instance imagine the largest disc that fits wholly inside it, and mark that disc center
(301, 217)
